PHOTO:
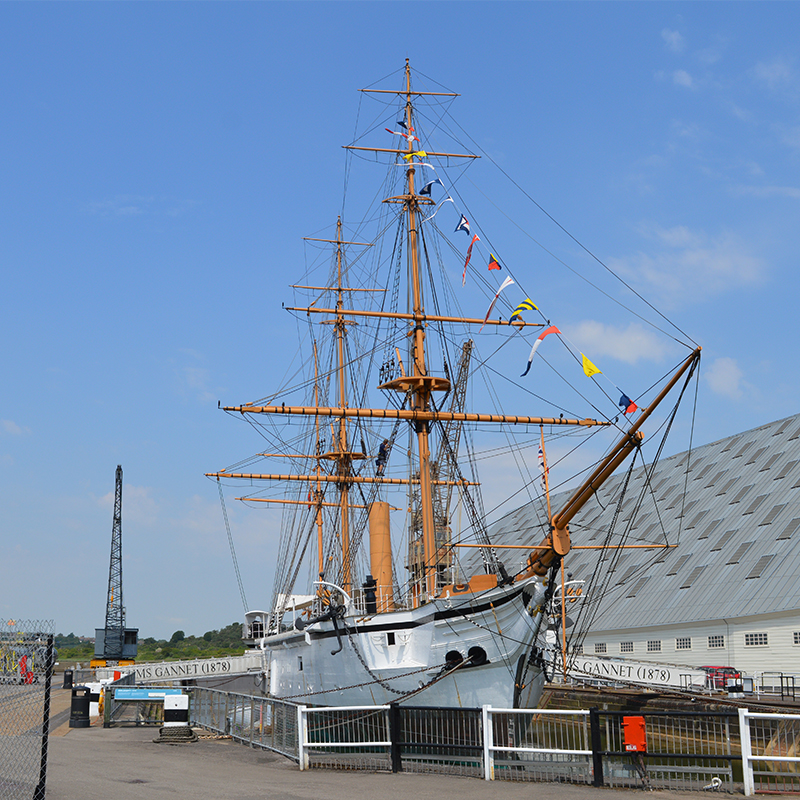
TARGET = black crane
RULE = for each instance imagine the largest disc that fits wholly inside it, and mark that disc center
(115, 644)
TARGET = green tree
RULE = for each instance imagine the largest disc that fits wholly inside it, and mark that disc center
(178, 636)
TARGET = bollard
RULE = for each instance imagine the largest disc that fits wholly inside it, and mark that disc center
(176, 721)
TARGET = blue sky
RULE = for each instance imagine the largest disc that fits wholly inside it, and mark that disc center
(162, 162)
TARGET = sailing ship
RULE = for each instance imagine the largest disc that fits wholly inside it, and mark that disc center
(436, 616)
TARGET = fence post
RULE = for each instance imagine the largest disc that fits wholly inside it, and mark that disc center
(747, 764)
(597, 756)
(488, 743)
(395, 738)
(41, 787)
(301, 736)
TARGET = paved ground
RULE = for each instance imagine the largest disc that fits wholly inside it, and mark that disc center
(123, 763)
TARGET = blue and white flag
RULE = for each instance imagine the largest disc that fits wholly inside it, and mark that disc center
(426, 189)
(463, 225)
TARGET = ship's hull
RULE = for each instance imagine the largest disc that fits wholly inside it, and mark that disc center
(411, 656)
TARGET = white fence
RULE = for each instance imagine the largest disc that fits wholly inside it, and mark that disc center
(683, 750)
(771, 741)
(344, 730)
(567, 732)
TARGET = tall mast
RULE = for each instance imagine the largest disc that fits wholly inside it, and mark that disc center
(421, 394)
(343, 462)
(318, 490)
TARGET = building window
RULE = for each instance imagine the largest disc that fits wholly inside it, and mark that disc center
(600, 647)
(756, 639)
(578, 649)
(654, 645)
(716, 641)
(683, 643)
(627, 647)
(796, 635)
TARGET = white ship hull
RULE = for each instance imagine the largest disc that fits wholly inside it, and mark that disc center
(409, 656)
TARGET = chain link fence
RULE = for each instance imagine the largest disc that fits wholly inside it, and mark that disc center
(26, 672)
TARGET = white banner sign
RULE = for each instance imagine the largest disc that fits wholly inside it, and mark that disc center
(642, 673)
(197, 668)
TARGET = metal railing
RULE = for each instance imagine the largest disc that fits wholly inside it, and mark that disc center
(684, 750)
(536, 745)
(770, 751)
(256, 721)
(344, 737)
(678, 750)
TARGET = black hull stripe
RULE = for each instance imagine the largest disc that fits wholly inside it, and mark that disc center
(449, 613)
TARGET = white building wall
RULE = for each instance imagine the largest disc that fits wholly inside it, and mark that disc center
(780, 654)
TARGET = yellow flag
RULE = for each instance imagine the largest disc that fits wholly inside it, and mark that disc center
(420, 153)
(589, 368)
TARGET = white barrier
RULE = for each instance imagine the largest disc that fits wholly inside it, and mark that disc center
(748, 758)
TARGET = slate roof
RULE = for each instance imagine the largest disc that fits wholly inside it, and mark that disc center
(737, 531)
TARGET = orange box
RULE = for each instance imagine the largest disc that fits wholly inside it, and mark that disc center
(634, 735)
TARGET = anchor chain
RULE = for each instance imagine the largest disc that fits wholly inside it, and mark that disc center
(443, 673)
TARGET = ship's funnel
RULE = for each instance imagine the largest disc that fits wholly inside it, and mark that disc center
(380, 555)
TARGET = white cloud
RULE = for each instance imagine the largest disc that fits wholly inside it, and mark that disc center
(791, 137)
(768, 191)
(755, 169)
(778, 74)
(682, 78)
(691, 265)
(725, 378)
(631, 344)
(194, 377)
(197, 378)
(740, 113)
(139, 506)
(125, 205)
(674, 41)
(12, 429)
(688, 130)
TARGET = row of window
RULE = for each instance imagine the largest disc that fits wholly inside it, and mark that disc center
(685, 643)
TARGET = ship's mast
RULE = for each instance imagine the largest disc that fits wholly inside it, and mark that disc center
(343, 461)
(418, 385)
(422, 393)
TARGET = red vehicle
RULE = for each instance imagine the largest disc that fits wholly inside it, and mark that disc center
(718, 677)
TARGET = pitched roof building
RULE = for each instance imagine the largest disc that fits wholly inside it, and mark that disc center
(727, 589)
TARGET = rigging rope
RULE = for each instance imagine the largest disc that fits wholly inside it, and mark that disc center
(230, 542)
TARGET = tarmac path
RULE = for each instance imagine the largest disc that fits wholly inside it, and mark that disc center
(124, 763)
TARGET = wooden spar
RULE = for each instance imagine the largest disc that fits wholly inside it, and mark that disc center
(410, 94)
(557, 544)
(573, 547)
(331, 288)
(406, 152)
(309, 503)
(412, 415)
(333, 479)
(421, 318)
